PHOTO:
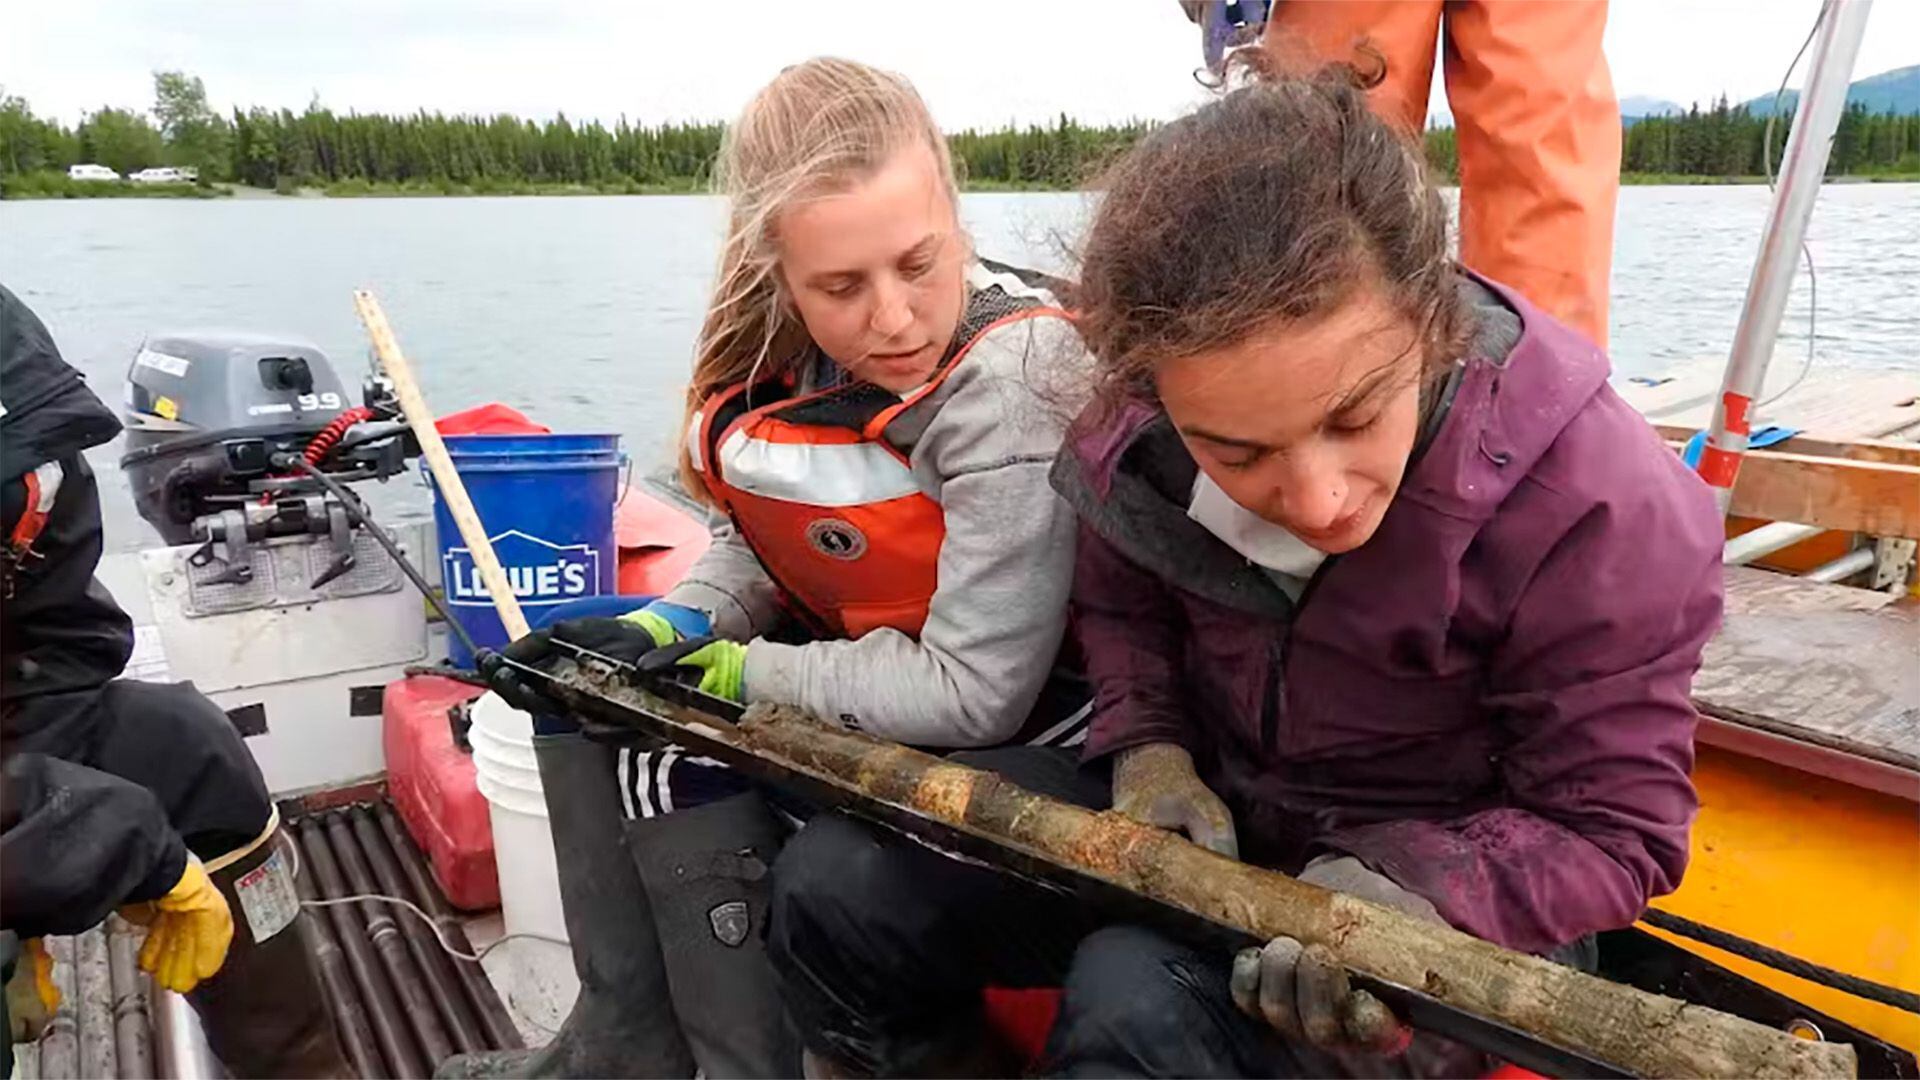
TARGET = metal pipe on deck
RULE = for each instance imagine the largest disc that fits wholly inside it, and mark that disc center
(60, 1040)
(1836, 42)
(94, 1003)
(1765, 540)
(402, 1057)
(442, 983)
(349, 1015)
(390, 944)
(480, 993)
(179, 1044)
(1859, 560)
(132, 1027)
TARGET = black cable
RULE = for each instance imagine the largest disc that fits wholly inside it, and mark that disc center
(1766, 145)
(1785, 962)
(1806, 252)
(358, 511)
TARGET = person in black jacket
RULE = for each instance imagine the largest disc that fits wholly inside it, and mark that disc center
(126, 795)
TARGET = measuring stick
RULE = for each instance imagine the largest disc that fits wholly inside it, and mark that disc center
(459, 506)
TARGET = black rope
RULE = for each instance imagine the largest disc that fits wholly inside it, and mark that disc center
(1752, 950)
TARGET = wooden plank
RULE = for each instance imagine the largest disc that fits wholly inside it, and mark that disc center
(1831, 403)
(1841, 766)
(1758, 593)
(1860, 404)
(1890, 451)
(1872, 497)
(1677, 390)
(1853, 496)
(1825, 664)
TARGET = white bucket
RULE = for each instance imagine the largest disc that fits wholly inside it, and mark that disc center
(539, 979)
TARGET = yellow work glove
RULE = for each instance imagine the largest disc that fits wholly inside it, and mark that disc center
(43, 987)
(32, 999)
(188, 932)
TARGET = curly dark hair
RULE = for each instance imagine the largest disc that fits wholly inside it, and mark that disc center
(1274, 202)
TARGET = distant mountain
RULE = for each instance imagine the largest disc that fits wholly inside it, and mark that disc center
(1898, 90)
(1637, 106)
(1632, 108)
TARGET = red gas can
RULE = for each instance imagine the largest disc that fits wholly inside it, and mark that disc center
(432, 783)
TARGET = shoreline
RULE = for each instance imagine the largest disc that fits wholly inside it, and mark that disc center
(10, 189)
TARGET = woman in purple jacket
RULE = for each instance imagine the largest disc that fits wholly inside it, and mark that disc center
(1378, 583)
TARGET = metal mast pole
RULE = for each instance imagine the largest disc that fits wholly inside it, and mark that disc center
(1836, 42)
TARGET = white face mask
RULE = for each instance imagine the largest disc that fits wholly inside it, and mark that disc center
(1259, 540)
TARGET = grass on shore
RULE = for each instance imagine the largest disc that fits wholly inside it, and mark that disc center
(57, 185)
(365, 189)
(1684, 180)
(362, 189)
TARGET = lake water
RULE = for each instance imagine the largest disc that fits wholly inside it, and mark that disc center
(582, 311)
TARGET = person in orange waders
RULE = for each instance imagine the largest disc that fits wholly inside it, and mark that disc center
(1534, 111)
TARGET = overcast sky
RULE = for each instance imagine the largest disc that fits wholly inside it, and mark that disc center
(978, 62)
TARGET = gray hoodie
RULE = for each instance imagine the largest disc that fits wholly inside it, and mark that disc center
(981, 446)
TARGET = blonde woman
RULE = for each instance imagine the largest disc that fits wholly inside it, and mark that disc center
(875, 411)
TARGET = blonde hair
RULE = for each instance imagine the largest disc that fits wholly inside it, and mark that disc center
(817, 127)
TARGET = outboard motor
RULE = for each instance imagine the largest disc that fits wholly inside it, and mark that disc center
(218, 426)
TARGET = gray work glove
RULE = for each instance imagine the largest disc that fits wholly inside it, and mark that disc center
(1302, 991)
(1155, 784)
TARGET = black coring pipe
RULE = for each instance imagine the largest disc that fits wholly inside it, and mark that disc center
(350, 1016)
(443, 985)
(402, 1057)
(480, 992)
(383, 929)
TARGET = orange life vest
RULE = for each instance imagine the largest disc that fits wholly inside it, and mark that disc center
(826, 501)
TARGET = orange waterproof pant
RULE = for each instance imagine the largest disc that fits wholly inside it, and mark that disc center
(1536, 118)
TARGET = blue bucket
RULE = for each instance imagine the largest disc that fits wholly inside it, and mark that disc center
(547, 503)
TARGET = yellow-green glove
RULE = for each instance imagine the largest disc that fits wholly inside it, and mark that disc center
(656, 627)
(188, 931)
(625, 639)
(722, 664)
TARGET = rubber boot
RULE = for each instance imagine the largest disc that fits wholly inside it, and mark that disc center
(265, 1013)
(623, 1022)
(705, 869)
